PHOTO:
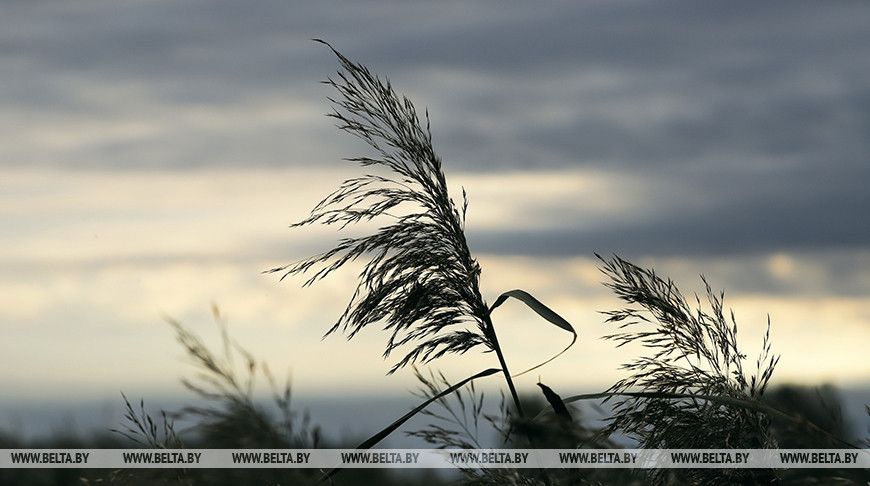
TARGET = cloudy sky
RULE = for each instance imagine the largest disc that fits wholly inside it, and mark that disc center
(153, 154)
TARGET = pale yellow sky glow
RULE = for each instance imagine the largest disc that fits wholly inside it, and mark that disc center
(91, 261)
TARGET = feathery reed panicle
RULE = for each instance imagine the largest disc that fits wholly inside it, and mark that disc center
(420, 278)
(693, 353)
(705, 344)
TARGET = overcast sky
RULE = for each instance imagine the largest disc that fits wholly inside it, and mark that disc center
(757, 116)
(153, 153)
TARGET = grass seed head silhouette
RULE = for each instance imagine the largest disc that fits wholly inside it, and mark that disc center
(420, 278)
(693, 353)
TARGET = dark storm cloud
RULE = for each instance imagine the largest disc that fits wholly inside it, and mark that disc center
(753, 212)
(687, 80)
(766, 106)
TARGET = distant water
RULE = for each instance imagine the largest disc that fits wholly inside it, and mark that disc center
(346, 420)
(343, 419)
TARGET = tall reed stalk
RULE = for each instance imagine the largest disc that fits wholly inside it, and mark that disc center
(420, 279)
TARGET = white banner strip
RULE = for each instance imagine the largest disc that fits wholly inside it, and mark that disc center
(435, 458)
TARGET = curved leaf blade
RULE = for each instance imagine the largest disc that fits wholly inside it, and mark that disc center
(542, 310)
(536, 305)
(371, 441)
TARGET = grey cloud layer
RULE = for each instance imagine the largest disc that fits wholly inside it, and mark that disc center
(764, 108)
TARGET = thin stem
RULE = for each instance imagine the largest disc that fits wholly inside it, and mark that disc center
(490, 330)
(493, 339)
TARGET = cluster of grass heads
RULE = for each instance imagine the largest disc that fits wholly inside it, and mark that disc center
(421, 283)
(228, 415)
(691, 391)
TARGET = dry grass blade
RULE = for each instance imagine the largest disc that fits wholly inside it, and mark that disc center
(420, 278)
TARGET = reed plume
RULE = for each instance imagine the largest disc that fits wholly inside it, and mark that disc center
(420, 278)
